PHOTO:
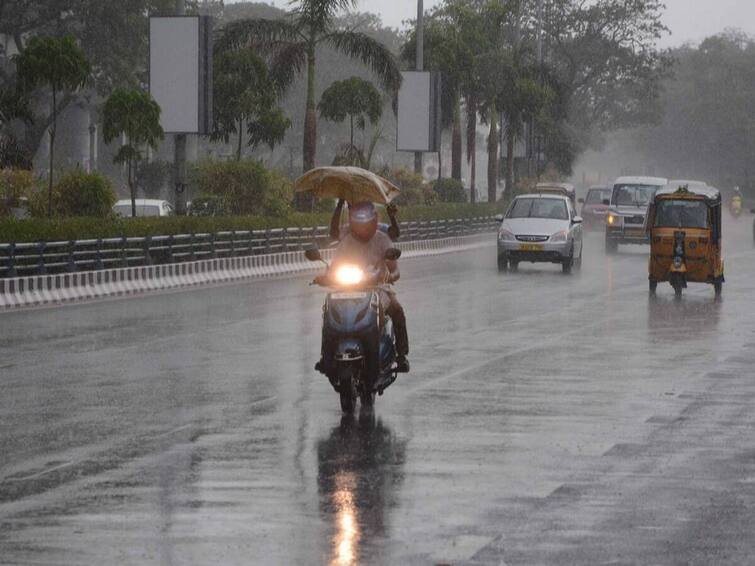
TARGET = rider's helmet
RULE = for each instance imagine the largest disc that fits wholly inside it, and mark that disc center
(737, 191)
(363, 221)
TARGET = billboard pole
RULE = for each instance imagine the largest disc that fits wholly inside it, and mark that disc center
(420, 67)
(179, 152)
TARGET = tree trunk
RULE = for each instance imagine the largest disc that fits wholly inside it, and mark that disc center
(131, 190)
(493, 155)
(305, 201)
(241, 140)
(509, 160)
(53, 131)
(472, 147)
(351, 142)
(310, 117)
(456, 147)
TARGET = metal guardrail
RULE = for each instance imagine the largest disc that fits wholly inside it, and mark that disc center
(42, 258)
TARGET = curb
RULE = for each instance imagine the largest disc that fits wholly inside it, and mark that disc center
(39, 290)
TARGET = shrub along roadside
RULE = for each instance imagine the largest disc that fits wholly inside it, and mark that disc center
(64, 229)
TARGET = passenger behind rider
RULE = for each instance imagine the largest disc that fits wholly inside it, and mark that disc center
(364, 244)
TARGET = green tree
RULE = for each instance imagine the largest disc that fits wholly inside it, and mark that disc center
(246, 98)
(59, 64)
(293, 43)
(355, 99)
(135, 115)
(112, 34)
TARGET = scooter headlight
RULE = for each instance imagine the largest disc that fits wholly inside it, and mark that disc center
(677, 262)
(349, 275)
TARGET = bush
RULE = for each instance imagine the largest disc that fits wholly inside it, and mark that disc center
(414, 190)
(450, 190)
(208, 206)
(62, 229)
(77, 193)
(246, 187)
(15, 185)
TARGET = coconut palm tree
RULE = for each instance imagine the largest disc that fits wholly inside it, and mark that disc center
(292, 44)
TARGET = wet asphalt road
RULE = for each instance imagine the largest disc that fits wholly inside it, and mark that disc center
(548, 420)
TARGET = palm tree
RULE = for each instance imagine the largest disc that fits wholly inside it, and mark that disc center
(292, 43)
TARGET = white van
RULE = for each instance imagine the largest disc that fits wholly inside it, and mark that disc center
(144, 207)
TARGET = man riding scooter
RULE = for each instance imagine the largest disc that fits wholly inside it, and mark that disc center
(366, 245)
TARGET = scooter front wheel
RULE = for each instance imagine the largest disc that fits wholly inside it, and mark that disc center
(346, 390)
(367, 399)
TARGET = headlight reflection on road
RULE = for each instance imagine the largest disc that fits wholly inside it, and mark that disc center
(347, 536)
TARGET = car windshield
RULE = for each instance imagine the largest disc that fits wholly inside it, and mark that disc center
(633, 195)
(681, 214)
(597, 196)
(539, 208)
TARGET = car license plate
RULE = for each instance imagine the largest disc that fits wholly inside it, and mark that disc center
(531, 247)
(636, 233)
(348, 296)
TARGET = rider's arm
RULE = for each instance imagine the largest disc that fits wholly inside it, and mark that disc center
(394, 232)
(335, 221)
(394, 274)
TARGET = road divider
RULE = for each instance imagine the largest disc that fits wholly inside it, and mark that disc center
(63, 288)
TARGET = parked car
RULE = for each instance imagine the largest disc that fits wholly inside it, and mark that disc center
(625, 221)
(540, 228)
(594, 208)
(144, 207)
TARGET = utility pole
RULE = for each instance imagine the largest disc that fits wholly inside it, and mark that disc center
(420, 67)
(179, 152)
(540, 59)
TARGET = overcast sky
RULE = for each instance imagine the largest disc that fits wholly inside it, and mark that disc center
(689, 20)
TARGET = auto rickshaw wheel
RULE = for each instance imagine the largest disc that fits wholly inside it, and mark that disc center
(653, 284)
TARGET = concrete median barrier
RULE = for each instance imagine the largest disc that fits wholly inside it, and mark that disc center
(41, 290)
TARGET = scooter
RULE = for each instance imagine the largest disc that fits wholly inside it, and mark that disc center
(358, 343)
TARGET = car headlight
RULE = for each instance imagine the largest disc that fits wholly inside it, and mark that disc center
(349, 275)
(613, 220)
(506, 235)
(560, 236)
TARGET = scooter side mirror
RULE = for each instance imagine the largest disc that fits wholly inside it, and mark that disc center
(392, 254)
(313, 254)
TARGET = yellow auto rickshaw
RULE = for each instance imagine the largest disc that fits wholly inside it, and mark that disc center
(684, 226)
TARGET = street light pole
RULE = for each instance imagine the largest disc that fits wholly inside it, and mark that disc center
(179, 150)
(420, 66)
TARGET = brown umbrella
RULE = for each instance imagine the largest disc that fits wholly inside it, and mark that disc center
(349, 183)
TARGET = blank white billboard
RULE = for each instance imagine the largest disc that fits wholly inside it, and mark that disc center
(179, 72)
(418, 112)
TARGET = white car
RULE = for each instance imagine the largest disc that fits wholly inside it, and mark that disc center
(540, 228)
(144, 207)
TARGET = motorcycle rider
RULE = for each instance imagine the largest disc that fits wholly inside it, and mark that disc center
(337, 231)
(365, 245)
